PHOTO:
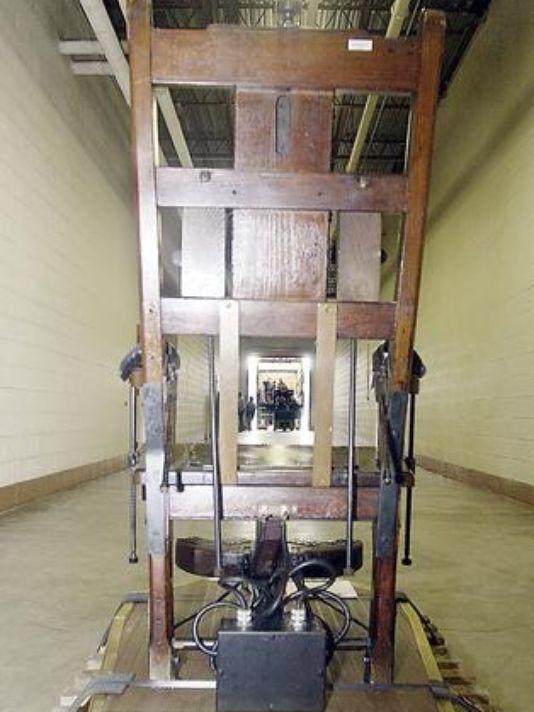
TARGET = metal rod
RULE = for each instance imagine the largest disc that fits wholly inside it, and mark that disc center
(410, 463)
(353, 356)
(214, 431)
(132, 461)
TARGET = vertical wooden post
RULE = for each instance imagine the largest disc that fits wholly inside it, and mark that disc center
(383, 608)
(323, 393)
(228, 389)
(144, 143)
(422, 134)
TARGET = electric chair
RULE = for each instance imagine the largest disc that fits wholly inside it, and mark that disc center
(271, 632)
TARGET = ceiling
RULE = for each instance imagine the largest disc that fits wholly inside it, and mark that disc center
(207, 115)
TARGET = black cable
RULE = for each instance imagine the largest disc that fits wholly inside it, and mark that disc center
(206, 649)
(179, 624)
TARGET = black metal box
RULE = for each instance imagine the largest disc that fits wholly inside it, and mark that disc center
(270, 670)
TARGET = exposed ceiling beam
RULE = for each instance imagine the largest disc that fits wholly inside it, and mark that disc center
(85, 47)
(110, 45)
(168, 111)
(399, 11)
(92, 69)
(98, 17)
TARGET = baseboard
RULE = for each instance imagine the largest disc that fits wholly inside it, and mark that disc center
(521, 491)
(20, 493)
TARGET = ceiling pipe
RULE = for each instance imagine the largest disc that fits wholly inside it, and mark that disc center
(399, 12)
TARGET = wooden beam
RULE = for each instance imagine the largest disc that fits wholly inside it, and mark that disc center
(228, 389)
(284, 319)
(226, 188)
(422, 130)
(301, 59)
(256, 501)
(144, 142)
(323, 393)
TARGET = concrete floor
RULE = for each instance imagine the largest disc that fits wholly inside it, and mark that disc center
(63, 570)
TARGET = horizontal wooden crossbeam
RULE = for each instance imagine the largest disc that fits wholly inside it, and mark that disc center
(225, 188)
(284, 319)
(300, 59)
(255, 502)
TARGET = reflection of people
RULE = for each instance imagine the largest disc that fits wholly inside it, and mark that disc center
(240, 412)
(250, 409)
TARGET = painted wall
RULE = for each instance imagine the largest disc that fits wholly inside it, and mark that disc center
(67, 250)
(476, 328)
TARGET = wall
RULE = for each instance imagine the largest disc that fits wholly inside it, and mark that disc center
(67, 256)
(193, 390)
(365, 400)
(476, 321)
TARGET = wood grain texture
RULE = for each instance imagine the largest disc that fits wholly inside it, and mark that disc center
(422, 134)
(358, 263)
(278, 254)
(323, 393)
(143, 154)
(226, 188)
(228, 389)
(203, 252)
(256, 501)
(363, 320)
(302, 59)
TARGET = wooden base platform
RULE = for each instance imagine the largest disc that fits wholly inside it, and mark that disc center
(125, 651)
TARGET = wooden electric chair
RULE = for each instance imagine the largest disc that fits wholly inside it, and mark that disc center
(283, 195)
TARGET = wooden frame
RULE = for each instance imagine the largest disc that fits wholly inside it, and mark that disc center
(264, 59)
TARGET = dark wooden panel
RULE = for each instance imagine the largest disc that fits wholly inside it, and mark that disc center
(302, 59)
(422, 129)
(159, 531)
(277, 254)
(358, 270)
(251, 502)
(225, 188)
(301, 142)
(359, 320)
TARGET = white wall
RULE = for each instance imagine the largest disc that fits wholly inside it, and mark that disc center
(476, 329)
(68, 282)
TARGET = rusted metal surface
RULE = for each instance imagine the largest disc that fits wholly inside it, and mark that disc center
(253, 502)
(359, 320)
(302, 59)
(422, 134)
(226, 188)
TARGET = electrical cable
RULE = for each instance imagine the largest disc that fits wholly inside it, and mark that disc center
(206, 649)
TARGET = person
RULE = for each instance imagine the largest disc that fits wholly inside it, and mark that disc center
(250, 410)
(240, 412)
